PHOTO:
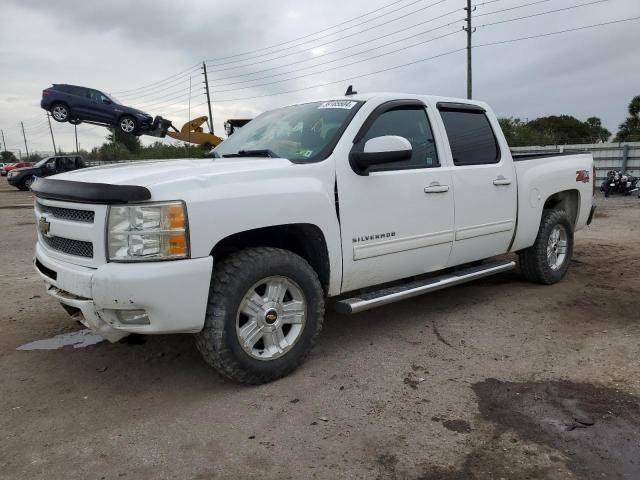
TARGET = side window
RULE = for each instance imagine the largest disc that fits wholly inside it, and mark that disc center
(471, 137)
(79, 91)
(64, 164)
(412, 124)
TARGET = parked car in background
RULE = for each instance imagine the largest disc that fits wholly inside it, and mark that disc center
(11, 166)
(74, 104)
(22, 178)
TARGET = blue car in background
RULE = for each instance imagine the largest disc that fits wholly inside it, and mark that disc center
(74, 104)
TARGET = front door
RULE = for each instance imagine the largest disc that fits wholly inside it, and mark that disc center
(396, 218)
(484, 182)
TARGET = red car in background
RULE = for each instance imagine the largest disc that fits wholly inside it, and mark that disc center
(7, 168)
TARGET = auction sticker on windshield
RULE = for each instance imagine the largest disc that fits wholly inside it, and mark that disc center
(345, 104)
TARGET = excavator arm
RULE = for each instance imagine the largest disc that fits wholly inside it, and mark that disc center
(193, 132)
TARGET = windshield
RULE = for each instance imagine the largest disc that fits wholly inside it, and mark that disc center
(299, 132)
(43, 161)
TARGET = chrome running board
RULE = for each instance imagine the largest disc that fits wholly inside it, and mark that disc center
(378, 298)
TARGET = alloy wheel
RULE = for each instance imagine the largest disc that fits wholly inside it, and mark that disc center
(271, 318)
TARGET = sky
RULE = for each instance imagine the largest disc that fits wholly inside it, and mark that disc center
(147, 53)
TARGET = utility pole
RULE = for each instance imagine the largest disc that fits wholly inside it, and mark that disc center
(25, 140)
(75, 128)
(469, 29)
(3, 141)
(206, 86)
(55, 150)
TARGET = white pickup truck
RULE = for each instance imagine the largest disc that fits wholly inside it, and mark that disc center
(369, 198)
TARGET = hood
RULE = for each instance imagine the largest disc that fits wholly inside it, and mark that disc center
(154, 172)
(24, 169)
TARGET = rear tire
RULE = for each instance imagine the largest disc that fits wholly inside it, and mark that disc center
(547, 261)
(60, 112)
(254, 336)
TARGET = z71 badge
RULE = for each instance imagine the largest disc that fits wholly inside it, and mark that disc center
(582, 176)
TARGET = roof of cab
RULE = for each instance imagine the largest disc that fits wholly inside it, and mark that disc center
(386, 96)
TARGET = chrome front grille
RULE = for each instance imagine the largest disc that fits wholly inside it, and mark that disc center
(71, 231)
(79, 248)
(70, 214)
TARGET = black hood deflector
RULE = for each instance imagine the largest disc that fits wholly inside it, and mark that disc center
(84, 192)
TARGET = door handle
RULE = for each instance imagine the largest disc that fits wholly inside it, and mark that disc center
(436, 188)
(502, 181)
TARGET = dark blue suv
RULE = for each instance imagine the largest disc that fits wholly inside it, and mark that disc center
(73, 104)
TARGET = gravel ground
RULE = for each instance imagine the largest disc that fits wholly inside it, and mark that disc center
(495, 379)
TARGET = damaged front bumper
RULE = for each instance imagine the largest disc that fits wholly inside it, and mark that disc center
(172, 295)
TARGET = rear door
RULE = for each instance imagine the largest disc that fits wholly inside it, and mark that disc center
(484, 183)
(397, 218)
(80, 102)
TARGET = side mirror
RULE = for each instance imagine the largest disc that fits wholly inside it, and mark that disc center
(106, 101)
(378, 150)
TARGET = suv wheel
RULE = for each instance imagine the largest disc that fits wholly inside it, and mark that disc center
(266, 308)
(60, 112)
(127, 124)
(27, 183)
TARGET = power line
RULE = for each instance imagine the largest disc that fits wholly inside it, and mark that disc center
(168, 86)
(357, 33)
(318, 31)
(258, 55)
(450, 52)
(342, 49)
(543, 13)
(469, 93)
(177, 98)
(558, 32)
(347, 65)
(530, 4)
(319, 38)
(341, 58)
(143, 87)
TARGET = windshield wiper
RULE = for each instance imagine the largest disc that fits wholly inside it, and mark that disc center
(252, 153)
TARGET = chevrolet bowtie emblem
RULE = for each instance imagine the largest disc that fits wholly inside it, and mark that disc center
(44, 226)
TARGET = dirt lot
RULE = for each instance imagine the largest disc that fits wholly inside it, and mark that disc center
(499, 379)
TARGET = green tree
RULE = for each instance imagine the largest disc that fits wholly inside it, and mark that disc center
(8, 157)
(130, 142)
(520, 134)
(629, 130)
(563, 129)
(598, 132)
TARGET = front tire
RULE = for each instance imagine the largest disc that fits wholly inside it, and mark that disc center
(60, 112)
(265, 311)
(26, 184)
(547, 261)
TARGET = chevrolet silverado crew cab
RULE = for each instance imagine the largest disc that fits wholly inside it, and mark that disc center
(369, 198)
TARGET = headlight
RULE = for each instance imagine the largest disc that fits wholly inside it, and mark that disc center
(150, 231)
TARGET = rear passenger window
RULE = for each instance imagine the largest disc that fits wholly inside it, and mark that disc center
(412, 124)
(471, 137)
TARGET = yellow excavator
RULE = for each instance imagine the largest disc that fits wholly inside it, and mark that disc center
(192, 131)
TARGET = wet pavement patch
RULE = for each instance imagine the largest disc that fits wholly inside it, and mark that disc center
(460, 426)
(77, 339)
(597, 429)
